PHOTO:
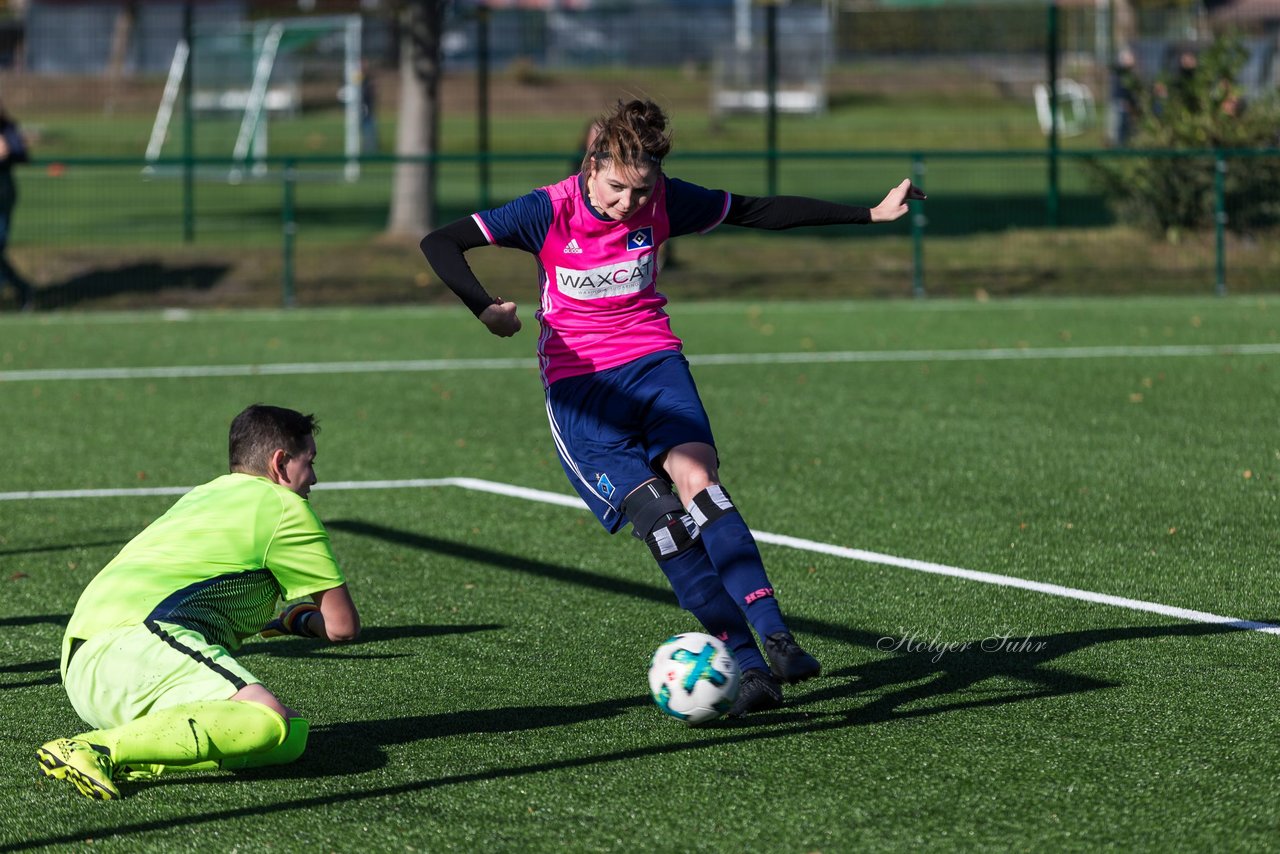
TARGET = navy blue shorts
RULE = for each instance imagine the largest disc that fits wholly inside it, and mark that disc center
(611, 427)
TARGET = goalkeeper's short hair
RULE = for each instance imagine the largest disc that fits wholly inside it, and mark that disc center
(260, 429)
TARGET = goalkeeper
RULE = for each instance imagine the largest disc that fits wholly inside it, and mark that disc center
(146, 658)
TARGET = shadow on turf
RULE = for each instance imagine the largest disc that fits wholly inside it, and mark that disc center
(291, 647)
(46, 666)
(501, 560)
(49, 666)
(60, 548)
(136, 278)
(35, 620)
(924, 678)
(354, 747)
(927, 677)
(338, 749)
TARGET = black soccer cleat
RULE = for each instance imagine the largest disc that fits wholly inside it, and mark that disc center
(758, 692)
(788, 661)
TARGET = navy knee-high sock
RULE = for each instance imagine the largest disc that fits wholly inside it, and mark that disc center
(698, 590)
(737, 560)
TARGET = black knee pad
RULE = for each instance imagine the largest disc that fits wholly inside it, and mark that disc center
(673, 535)
(711, 504)
(658, 518)
(648, 504)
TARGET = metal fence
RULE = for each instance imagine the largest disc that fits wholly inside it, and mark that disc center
(91, 229)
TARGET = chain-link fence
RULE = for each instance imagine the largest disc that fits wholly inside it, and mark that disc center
(101, 232)
(956, 95)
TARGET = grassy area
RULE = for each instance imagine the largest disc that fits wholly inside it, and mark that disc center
(874, 105)
(497, 701)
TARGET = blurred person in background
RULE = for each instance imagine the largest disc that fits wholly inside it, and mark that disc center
(13, 149)
(1125, 104)
(368, 110)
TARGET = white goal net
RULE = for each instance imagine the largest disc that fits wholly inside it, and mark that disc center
(243, 77)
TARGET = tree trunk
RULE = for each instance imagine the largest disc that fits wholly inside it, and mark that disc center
(413, 186)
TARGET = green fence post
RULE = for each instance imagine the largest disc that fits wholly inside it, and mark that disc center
(1220, 223)
(918, 222)
(482, 100)
(1052, 199)
(290, 232)
(771, 88)
(188, 128)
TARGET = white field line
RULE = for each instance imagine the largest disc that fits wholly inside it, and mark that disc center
(847, 356)
(719, 306)
(281, 369)
(572, 501)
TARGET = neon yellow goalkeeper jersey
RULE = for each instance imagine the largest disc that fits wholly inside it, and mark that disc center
(216, 563)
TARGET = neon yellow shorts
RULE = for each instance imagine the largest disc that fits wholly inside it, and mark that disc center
(120, 675)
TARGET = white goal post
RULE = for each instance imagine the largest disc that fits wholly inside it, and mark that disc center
(253, 70)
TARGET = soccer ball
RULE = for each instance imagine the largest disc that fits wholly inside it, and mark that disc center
(693, 677)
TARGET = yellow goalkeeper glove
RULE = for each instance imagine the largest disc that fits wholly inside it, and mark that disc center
(293, 620)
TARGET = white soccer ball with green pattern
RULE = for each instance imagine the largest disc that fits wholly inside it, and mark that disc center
(693, 677)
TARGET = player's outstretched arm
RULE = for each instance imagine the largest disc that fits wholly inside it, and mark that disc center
(895, 204)
(780, 212)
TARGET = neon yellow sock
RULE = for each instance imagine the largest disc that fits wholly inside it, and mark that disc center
(193, 733)
(282, 754)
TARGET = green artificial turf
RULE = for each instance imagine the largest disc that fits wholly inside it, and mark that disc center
(497, 700)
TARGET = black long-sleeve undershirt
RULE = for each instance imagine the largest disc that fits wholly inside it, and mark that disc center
(445, 247)
(778, 212)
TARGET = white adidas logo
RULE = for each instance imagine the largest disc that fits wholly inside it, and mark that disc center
(572, 247)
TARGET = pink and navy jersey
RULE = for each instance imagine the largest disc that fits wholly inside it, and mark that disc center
(600, 305)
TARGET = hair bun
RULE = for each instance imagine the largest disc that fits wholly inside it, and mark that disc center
(634, 133)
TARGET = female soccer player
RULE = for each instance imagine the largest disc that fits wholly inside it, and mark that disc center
(625, 415)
